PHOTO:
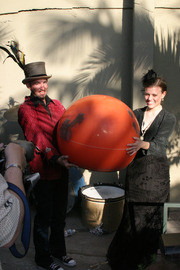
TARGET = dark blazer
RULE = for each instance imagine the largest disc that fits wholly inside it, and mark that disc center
(158, 133)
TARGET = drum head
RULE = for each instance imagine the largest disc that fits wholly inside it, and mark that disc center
(103, 192)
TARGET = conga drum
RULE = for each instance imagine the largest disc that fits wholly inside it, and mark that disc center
(102, 204)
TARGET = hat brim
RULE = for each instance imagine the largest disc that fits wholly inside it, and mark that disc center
(30, 79)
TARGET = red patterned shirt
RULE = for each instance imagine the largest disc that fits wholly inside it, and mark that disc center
(39, 122)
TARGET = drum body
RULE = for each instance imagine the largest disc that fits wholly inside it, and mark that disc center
(102, 204)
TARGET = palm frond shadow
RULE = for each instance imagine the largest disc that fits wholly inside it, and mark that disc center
(99, 73)
(102, 72)
(5, 36)
(103, 68)
(169, 56)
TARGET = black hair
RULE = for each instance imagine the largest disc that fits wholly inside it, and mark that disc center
(152, 79)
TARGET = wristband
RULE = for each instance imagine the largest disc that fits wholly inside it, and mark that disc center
(13, 165)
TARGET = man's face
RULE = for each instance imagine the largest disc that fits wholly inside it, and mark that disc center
(38, 88)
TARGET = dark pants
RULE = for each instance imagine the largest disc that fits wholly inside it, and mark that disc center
(51, 204)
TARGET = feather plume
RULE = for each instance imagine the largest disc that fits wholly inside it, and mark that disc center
(17, 55)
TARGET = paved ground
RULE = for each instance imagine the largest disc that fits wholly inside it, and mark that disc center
(88, 249)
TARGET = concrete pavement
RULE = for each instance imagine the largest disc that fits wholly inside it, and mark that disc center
(87, 249)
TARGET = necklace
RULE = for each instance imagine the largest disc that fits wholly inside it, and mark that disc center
(145, 127)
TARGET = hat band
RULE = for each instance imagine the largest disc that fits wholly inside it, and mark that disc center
(39, 75)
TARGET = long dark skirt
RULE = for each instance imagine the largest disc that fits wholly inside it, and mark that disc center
(137, 237)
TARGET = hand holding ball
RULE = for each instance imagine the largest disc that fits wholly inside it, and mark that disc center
(94, 132)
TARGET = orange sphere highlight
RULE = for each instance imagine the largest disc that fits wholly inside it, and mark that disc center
(94, 132)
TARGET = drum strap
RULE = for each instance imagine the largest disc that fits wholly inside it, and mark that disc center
(25, 237)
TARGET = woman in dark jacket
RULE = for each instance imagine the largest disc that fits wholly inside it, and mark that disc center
(147, 182)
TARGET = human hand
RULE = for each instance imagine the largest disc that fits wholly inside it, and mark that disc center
(63, 161)
(134, 147)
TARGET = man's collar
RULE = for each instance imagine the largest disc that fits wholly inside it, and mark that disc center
(36, 101)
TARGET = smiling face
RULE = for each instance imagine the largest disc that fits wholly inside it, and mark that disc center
(153, 96)
(38, 88)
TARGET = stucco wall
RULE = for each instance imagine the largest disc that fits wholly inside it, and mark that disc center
(82, 46)
(92, 47)
(73, 42)
(167, 62)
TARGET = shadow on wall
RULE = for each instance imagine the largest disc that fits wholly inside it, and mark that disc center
(169, 59)
(103, 70)
(100, 73)
(108, 68)
(175, 193)
(5, 33)
(10, 130)
(104, 177)
(168, 63)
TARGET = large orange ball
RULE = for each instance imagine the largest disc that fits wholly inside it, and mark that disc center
(94, 133)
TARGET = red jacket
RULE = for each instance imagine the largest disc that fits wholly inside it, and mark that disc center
(38, 123)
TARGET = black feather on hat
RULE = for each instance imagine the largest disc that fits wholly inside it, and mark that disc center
(32, 71)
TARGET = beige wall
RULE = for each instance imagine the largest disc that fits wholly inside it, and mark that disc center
(92, 47)
(68, 39)
(167, 62)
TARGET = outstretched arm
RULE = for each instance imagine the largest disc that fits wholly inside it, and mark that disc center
(15, 154)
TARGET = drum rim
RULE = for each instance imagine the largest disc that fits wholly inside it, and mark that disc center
(102, 200)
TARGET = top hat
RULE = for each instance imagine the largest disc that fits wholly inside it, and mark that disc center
(34, 71)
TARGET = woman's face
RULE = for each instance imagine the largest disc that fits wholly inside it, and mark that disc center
(153, 96)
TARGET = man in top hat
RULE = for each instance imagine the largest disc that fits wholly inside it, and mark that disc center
(38, 116)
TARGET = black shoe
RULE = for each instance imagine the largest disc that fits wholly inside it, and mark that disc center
(66, 260)
(52, 266)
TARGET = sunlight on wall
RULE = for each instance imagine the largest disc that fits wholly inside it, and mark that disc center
(167, 27)
(86, 46)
